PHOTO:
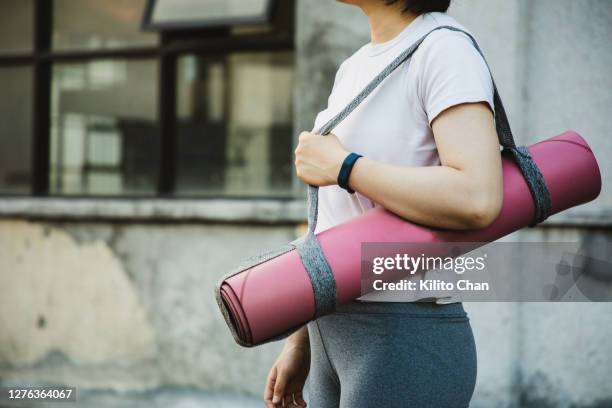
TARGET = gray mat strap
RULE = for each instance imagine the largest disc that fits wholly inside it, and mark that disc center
(531, 173)
(314, 261)
(535, 182)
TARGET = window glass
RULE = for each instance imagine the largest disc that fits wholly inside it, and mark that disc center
(104, 135)
(177, 11)
(16, 17)
(235, 124)
(15, 129)
(95, 24)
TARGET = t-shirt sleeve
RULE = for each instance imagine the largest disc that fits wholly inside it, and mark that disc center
(452, 72)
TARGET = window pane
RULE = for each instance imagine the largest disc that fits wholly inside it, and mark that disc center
(104, 136)
(95, 24)
(235, 124)
(176, 11)
(15, 129)
(16, 18)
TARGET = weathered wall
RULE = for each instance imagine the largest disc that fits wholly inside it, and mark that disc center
(569, 85)
(327, 33)
(125, 307)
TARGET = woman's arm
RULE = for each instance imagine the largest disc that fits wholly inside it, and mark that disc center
(288, 375)
(464, 192)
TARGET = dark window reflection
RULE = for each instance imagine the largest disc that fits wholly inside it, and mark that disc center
(174, 11)
(104, 135)
(15, 129)
(95, 24)
(16, 17)
(235, 124)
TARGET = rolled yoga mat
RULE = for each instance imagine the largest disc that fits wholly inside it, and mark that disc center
(274, 297)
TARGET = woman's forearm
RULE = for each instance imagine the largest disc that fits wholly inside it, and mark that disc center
(437, 196)
(299, 338)
(464, 192)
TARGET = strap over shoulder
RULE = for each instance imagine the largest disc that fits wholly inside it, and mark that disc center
(532, 175)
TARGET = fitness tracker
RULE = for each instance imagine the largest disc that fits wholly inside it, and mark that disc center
(345, 171)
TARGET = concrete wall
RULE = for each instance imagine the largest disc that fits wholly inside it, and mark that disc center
(125, 307)
(116, 297)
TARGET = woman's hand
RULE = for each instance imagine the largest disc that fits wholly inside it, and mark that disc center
(288, 375)
(318, 158)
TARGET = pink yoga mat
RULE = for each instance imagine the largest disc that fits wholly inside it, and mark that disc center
(275, 296)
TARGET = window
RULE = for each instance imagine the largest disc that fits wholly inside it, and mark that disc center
(16, 32)
(234, 124)
(104, 137)
(16, 131)
(177, 13)
(98, 24)
(96, 106)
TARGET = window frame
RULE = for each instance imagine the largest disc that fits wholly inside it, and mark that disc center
(170, 46)
(148, 24)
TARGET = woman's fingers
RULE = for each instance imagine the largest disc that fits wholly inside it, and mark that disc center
(279, 387)
(269, 389)
(292, 400)
(298, 398)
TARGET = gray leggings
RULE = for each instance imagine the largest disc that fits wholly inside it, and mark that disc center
(405, 355)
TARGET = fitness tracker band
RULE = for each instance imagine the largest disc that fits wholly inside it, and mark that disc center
(345, 171)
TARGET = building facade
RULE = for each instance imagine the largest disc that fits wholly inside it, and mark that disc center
(142, 157)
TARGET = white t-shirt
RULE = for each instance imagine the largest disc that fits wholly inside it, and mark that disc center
(393, 124)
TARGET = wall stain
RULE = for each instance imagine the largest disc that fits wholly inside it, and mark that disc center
(41, 322)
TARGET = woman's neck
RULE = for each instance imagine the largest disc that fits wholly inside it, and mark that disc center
(386, 21)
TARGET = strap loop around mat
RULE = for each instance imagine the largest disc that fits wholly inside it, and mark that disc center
(314, 261)
(535, 182)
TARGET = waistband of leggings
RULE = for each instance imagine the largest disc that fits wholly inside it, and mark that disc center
(408, 308)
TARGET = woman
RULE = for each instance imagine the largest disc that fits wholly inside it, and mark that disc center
(431, 155)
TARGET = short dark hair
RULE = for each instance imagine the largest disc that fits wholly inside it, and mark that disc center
(423, 6)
